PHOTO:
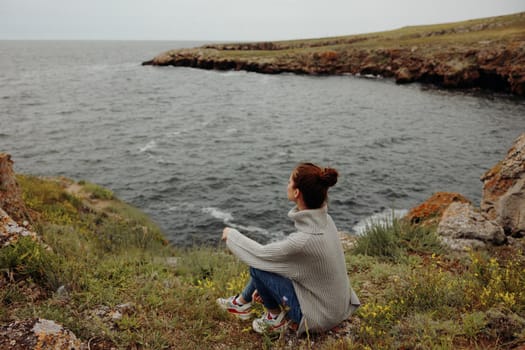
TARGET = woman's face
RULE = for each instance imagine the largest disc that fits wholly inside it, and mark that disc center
(291, 190)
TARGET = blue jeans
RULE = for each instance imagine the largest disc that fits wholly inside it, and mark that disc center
(248, 291)
(275, 290)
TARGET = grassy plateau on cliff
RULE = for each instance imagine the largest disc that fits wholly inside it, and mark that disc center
(106, 272)
(487, 53)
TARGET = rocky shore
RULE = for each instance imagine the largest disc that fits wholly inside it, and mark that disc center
(500, 219)
(486, 54)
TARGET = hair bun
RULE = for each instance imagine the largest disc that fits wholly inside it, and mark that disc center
(329, 176)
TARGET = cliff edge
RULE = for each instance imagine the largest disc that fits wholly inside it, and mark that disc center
(486, 53)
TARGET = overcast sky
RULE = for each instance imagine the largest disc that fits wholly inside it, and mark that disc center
(227, 20)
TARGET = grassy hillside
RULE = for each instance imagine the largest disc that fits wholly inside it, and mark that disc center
(507, 28)
(107, 274)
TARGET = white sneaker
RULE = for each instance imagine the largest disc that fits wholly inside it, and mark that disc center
(265, 324)
(241, 311)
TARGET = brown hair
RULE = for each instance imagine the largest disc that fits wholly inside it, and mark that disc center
(313, 182)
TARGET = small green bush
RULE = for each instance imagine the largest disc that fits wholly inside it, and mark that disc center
(379, 240)
(473, 324)
(433, 288)
(497, 283)
(28, 258)
(393, 240)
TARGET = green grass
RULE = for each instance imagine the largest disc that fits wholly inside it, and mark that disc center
(392, 241)
(97, 192)
(471, 32)
(413, 291)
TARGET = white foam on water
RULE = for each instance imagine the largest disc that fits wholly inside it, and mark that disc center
(383, 218)
(149, 145)
(227, 219)
(232, 73)
(218, 214)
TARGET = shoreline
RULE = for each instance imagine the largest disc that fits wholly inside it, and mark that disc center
(487, 54)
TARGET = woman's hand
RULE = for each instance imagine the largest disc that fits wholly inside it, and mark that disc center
(225, 233)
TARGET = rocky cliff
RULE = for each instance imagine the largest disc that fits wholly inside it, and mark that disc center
(501, 216)
(10, 195)
(485, 53)
(504, 190)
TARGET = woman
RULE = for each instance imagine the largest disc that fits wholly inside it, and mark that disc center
(302, 278)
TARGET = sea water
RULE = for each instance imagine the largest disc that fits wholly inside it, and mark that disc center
(198, 150)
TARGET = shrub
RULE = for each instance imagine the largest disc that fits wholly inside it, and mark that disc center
(376, 320)
(392, 240)
(433, 288)
(28, 258)
(379, 240)
(473, 324)
(497, 283)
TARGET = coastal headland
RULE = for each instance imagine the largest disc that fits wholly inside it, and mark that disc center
(487, 53)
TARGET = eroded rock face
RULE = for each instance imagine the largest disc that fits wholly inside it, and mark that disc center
(37, 334)
(463, 227)
(504, 190)
(511, 210)
(10, 194)
(430, 211)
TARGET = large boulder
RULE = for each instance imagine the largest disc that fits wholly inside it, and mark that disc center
(10, 194)
(462, 227)
(504, 191)
(511, 210)
(431, 210)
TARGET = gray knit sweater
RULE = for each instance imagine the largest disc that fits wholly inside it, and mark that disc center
(313, 259)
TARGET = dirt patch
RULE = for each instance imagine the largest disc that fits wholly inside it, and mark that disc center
(86, 196)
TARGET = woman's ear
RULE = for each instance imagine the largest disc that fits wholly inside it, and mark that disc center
(296, 193)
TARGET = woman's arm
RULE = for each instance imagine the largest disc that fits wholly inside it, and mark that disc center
(272, 257)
